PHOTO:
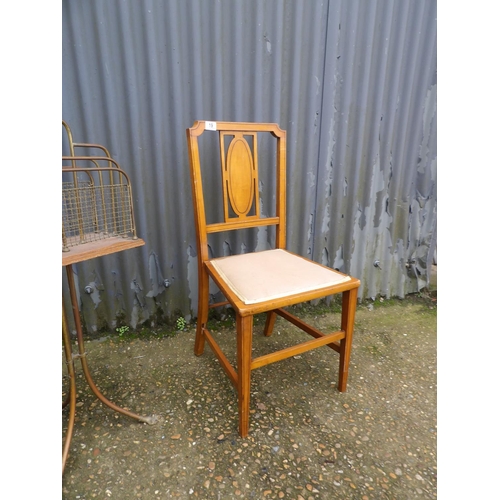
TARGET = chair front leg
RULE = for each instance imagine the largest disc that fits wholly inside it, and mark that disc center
(203, 298)
(347, 325)
(244, 328)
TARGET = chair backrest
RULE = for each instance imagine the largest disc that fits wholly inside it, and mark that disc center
(240, 179)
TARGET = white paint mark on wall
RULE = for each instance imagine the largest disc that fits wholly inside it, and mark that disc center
(95, 294)
(310, 227)
(430, 107)
(262, 243)
(318, 85)
(338, 262)
(325, 223)
(269, 47)
(311, 179)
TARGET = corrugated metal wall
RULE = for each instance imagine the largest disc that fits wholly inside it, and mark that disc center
(352, 82)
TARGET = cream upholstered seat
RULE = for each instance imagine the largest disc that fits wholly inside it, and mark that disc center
(266, 281)
(273, 274)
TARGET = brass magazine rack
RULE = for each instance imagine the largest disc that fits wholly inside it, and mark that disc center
(97, 220)
(97, 206)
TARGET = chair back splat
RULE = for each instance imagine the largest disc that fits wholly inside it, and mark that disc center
(265, 281)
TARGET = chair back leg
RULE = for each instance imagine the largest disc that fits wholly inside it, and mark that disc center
(270, 319)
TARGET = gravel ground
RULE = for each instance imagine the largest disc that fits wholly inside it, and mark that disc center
(306, 441)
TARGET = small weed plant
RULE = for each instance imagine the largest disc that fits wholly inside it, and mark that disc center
(122, 330)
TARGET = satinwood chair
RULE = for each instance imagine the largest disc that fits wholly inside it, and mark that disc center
(262, 281)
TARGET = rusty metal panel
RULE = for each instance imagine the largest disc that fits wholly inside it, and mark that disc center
(352, 82)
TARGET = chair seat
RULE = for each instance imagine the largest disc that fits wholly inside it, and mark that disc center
(273, 274)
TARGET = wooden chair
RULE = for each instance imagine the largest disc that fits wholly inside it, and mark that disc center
(264, 281)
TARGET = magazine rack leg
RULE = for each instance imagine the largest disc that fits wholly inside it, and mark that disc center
(72, 388)
(82, 355)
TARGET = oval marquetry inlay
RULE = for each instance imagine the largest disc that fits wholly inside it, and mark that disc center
(240, 172)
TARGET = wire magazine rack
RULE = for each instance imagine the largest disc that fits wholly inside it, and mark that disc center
(97, 201)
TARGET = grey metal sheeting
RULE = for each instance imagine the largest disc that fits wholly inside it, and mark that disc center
(352, 82)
